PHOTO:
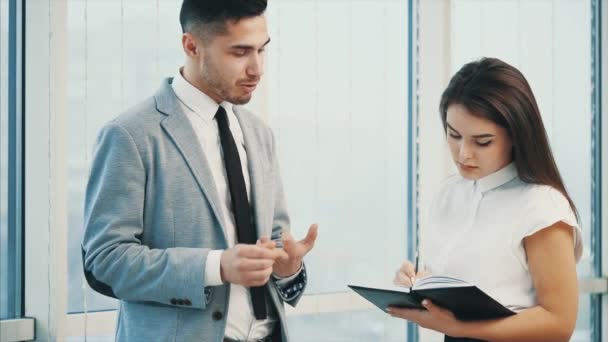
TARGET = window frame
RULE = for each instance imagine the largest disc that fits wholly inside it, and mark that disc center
(597, 286)
(16, 327)
(45, 267)
(412, 160)
(601, 83)
(15, 154)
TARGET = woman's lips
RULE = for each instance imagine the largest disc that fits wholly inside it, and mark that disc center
(467, 167)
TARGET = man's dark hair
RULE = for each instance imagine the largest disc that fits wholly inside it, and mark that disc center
(207, 18)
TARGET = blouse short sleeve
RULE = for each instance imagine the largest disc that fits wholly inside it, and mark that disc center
(546, 206)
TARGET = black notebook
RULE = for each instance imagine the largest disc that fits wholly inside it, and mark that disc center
(465, 300)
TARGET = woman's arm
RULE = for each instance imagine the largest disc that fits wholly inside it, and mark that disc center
(553, 268)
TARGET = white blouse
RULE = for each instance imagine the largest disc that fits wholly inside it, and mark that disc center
(476, 229)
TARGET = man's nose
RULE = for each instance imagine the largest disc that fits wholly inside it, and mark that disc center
(256, 65)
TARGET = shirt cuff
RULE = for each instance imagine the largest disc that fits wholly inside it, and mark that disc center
(285, 281)
(213, 275)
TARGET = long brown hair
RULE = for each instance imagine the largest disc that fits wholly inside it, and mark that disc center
(492, 89)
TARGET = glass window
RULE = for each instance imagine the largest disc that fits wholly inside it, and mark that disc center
(338, 106)
(559, 72)
(341, 120)
(4, 246)
(10, 162)
(121, 49)
(335, 94)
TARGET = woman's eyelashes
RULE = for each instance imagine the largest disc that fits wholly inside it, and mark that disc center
(480, 143)
(483, 143)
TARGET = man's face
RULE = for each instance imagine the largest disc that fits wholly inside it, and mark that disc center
(232, 64)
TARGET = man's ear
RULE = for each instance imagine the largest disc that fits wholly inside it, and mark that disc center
(191, 45)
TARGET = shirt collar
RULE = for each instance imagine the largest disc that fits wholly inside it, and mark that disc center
(197, 101)
(497, 178)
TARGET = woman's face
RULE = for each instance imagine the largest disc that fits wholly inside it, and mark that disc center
(479, 147)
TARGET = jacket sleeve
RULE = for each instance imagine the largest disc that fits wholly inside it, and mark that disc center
(291, 291)
(115, 261)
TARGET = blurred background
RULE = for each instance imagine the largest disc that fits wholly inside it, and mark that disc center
(351, 91)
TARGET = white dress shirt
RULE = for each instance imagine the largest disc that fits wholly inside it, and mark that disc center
(475, 232)
(200, 109)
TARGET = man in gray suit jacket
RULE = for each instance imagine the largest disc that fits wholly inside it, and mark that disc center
(185, 216)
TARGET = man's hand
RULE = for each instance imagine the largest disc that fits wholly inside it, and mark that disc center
(289, 262)
(249, 265)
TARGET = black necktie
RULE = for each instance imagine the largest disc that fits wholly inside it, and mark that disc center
(245, 229)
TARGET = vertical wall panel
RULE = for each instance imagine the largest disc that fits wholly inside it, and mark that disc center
(334, 111)
(536, 52)
(337, 99)
(297, 118)
(167, 42)
(500, 29)
(337, 102)
(139, 36)
(465, 32)
(571, 124)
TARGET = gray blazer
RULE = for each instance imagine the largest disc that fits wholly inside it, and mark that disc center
(152, 214)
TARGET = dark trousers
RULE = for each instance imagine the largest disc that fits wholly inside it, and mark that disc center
(460, 339)
(277, 334)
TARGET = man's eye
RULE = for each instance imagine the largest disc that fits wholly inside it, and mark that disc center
(240, 53)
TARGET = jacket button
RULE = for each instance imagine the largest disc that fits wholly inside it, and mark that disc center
(207, 295)
(217, 315)
(187, 302)
(173, 301)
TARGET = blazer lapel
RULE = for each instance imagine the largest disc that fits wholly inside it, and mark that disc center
(177, 126)
(256, 173)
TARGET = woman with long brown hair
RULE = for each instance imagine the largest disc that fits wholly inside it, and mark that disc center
(505, 222)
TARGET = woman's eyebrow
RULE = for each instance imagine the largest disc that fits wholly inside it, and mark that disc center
(452, 128)
(477, 136)
(486, 135)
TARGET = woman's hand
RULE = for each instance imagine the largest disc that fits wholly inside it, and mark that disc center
(434, 317)
(406, 275)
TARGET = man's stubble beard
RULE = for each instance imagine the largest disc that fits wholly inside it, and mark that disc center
(212, 77)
